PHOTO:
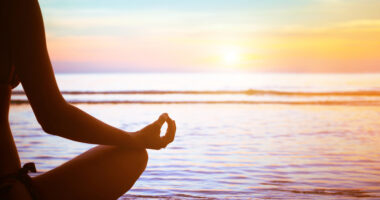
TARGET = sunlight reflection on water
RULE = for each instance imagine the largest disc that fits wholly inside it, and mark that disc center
(236, 151)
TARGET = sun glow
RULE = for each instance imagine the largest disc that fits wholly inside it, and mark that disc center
(231, 56)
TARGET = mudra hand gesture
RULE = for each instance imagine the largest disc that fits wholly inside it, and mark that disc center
(149, 137)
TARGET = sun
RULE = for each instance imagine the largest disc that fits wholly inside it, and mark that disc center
(231, 57)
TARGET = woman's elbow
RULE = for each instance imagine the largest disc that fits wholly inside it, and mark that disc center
(51, 120)
(48, 125)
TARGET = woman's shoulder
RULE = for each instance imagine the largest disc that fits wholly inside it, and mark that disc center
(7, 70)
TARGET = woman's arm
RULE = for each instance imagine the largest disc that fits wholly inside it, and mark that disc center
(35, 72)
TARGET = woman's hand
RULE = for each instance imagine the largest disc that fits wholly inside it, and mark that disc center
(149, 137)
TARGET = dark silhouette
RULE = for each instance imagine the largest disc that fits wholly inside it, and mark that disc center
(104, 172)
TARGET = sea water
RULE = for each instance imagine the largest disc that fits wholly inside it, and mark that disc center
(239, 136)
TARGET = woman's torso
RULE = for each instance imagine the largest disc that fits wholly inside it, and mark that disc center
(9, 160)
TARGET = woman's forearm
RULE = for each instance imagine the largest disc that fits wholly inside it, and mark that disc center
(75, 124)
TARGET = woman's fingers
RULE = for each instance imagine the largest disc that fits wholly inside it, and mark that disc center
(161, 120)
(163, 141)
(170, 132)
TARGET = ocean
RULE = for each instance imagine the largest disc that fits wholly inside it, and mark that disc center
(239, 136)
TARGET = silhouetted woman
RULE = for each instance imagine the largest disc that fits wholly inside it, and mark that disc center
(104, 172)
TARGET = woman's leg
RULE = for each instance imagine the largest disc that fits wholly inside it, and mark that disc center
(103, 172)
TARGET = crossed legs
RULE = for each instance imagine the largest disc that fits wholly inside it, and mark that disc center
(103, 172)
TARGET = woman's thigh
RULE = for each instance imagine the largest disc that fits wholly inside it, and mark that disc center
(103, 172)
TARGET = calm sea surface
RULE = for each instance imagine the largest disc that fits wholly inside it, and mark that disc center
(239, 136)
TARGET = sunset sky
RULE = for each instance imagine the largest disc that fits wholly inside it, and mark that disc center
(213, 35)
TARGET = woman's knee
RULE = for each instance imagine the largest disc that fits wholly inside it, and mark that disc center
(135, 157)
(141, 157)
